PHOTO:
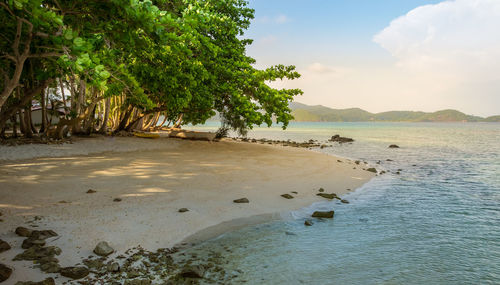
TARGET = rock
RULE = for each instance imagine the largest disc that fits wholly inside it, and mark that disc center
(194, 271)
(113, 267)
(357, 161)
(74, 272)
(41, 235)
(290, 233)
(344, 201)
(137, 282)
(287, 196)
(339, 139)
(389, 159)
(48, 281)
(50, 267)
(321, 190)
(371, 169)
(393, 146)
(241, 200)
(4, 246)
(295, 192)
(308, 223)
(93, 263)
(323, 214)
(133, 273)
(23, 232)
(29, 242)
(5, 272)
(37, 253)
(91, 191)
(117, 200)
(103, 249)
(327, 196)
(182, 210)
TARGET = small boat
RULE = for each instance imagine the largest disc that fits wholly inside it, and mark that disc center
(147, 135)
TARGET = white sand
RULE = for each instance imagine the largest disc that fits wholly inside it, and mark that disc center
(154, 178)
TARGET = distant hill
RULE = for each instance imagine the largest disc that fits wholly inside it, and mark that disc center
(318, 113)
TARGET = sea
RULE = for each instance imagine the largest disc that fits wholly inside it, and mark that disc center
(437, 222)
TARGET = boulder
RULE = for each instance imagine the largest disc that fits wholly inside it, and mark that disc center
(393, 146)
(113, 267)
(371, 169)
(50, 267)
(41, 235)
(74, 272)
(91, 191)
(308, 223)
(323, 214)
(48, 281)
(344, 201)
(321, 190)
(287, 196)
(117, 200)
(103, 249)
(241, 200)
(4, 246)
(23, 232)
(29, 242)
(339, 139)
(183, 210)
(37, 253)
(327, 196)
(194, 271)
(5, 272)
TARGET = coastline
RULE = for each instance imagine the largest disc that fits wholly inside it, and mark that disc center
(154, 180)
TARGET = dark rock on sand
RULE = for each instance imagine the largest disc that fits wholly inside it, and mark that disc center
(117, 200)
(5, 272)
(29, 242)
(91, 191)
(344, 201)
(4, 246)
(339, 139)
(103, 249)
(113, 267)
(50, 267)
(287, 196)
(48, 281)
(74, 272)
(321, 190)
(371, 169)
(295, 192)
(241, 200)
(41, 235)
(195, 271)
(36, 253)
(327, 196)
(323, 214)
(137, 282)
(182, 210)
(393, 146)
(308, 223)
(23, 232)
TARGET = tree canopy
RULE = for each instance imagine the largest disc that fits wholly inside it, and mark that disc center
(111, 65)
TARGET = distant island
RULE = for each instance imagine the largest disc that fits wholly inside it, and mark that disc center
(319, 113)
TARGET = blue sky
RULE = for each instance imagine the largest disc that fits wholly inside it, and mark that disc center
(410, 54)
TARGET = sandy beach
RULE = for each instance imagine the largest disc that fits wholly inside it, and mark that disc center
(46, 186)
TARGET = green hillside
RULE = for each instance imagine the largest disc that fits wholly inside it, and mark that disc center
(318, 113)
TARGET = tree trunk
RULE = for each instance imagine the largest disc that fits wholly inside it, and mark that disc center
(107, 106)
(44, 112)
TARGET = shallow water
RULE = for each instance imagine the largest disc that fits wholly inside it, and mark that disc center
(438, 222)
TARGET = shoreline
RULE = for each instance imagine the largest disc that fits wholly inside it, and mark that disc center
(150, 203)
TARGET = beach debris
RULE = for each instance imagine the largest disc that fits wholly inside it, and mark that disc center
(287, 196)
(308, 223)
(5, 272)
(75, 272)
(103, 249)
(23, 232)
(393, 146)
(344, 201)
(193, 271)
(371, 169)
(4, 246)
(48, 281)
(339, 139)
(117, 199)
(241, 200)
(321, 190)
(183, 210)
(323, 214)
(91, 191)
(327, 196)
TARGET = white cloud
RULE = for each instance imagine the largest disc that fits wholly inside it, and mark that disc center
(281, 19)
(320, 68)
(453, 39)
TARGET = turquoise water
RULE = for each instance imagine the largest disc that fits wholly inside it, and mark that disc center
(436, 223)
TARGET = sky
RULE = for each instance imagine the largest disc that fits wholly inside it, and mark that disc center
(416, 55)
